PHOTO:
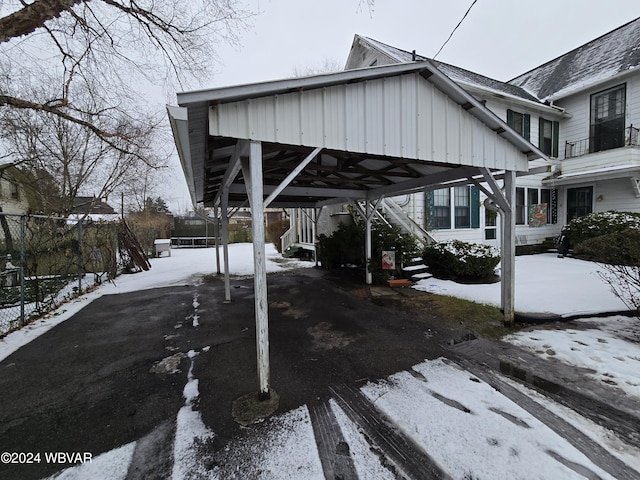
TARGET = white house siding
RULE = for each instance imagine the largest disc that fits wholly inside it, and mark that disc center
(12, 200)
(615, 194)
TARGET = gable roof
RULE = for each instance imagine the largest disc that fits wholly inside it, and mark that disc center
(366, 123)
(613, 54)
(91, 205)
(465, 78)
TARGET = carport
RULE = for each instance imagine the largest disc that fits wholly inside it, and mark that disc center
(355, 136)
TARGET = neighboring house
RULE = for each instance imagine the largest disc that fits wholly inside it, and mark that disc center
(581, 109)
(17, 195)
(92, 206)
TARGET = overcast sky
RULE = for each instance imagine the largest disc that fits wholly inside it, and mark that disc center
(499, 38)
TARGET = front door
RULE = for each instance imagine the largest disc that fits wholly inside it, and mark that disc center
(579, 202)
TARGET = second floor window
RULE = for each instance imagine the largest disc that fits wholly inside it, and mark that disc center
(520, 122)
(549, 133)
(607, 119)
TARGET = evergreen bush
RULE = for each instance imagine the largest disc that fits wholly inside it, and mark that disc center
(461, 260)
(602, 223)
(618, 248)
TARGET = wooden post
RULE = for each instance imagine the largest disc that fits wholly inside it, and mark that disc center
(216, 234)
(224, 211)
(368, 248)
(509, 249)
(256, 199)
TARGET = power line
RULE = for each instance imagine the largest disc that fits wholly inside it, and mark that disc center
(454, 30)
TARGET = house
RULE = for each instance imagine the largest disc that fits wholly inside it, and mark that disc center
(92, 206)
(581, 109)
(17, 193)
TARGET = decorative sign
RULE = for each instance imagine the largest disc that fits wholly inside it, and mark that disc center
(389, 260)
(538, 215)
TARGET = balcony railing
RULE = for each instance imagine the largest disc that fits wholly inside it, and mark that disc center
(577, 148)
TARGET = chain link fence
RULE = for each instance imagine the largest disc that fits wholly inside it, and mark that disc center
(45, 261)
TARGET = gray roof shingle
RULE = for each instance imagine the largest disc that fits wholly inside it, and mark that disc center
(602, 58)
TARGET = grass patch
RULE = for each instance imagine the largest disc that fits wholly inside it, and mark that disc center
(483, 320)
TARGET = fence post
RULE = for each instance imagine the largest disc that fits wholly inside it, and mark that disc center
(22, 263)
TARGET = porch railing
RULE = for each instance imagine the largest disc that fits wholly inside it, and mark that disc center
(577, 148)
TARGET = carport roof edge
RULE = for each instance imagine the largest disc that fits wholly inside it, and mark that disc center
(426, 68)
(189, 120)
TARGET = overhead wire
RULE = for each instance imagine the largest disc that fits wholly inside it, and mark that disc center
(456, 27)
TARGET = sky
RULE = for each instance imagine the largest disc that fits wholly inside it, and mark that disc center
(498, 437)
(499, 38)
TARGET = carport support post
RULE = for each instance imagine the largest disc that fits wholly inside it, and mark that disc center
(509, 249)
(256, 198)
(216, 234)
(367, 241)
(224, 217)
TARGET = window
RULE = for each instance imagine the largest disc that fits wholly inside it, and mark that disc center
(441, 217)
(457, 206)
(462, 207)
(490, 222)
(530, 197)
(14, 190)
(520, 206)
(548, 138)
(520, 122)
(607, 119)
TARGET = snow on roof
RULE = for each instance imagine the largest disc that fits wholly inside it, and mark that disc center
(607, 56)
(457, 74)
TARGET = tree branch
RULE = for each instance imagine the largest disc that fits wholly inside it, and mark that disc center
(33, 16)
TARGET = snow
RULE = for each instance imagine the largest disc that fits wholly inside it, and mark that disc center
(450, 403)
(545, 284)
(469, 429)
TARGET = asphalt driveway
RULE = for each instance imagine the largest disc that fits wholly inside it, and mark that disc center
(116, 370)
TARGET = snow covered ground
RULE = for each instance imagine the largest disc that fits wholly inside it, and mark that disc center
(470, 429)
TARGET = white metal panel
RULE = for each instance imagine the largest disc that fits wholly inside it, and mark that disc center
(335, 116)
(409, 142)
(355, 124)
(400, 116)
(374, 116)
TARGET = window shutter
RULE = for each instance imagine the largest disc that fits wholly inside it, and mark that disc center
(428, 207)
(556, 137)
(540, 132)
(475, 207)
(526, 127)
(510, 118)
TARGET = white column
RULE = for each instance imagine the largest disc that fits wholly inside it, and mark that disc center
(224, 212)
(509, 249)
(367, 242)
(216, 234)
(256, 199)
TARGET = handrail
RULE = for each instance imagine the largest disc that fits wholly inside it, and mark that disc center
(577, 148)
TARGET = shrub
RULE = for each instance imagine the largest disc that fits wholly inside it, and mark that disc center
(345, 246)
(597, 224)
(618, 248)
(390, 237)
(458, 259)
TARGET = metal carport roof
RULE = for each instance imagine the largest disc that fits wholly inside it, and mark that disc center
(383, 130)
(359, 135)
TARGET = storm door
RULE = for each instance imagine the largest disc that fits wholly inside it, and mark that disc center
(579, 202)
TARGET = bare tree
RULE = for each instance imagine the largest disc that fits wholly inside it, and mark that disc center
(327, 65)
(54, 54)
